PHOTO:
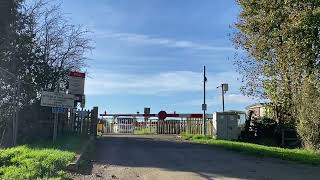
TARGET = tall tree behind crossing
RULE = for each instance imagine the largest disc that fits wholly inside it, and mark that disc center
(281, 40)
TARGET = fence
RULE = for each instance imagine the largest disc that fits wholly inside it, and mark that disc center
(82, 122)
(133, 126)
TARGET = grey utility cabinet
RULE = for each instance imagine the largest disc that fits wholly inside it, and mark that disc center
(225, 125)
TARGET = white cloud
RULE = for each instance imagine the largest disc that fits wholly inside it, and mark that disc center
(229, 99)
(239, 99)
(143, 39)
(161, 83)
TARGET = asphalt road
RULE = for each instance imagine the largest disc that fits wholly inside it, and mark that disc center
(132, 157)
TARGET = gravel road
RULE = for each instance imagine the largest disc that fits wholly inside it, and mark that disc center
(131, 157)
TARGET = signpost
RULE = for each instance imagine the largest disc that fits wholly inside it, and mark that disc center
(58, 101)
(162, 115)
(204, 105)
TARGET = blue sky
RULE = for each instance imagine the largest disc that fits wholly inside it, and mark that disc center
(150, 53)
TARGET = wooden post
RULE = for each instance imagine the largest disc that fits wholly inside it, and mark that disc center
(94, 121)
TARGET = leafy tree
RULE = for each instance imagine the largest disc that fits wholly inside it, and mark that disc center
(9, 27)
(309, 116)
(281, 39)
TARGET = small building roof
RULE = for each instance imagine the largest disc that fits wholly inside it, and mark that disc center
(256, 105)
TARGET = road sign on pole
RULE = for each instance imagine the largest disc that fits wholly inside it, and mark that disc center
(204, 107)
(58, 101)
(162, 115)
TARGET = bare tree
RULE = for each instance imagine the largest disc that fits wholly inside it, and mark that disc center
(63, 45)
(41, 49)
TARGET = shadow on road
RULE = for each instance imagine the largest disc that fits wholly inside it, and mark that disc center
(205, 160)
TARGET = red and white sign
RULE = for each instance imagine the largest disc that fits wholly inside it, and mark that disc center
(162, 115)
(77, 74)
(76, 83)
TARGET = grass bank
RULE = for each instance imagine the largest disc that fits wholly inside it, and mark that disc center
(296, 155)
(41, 160)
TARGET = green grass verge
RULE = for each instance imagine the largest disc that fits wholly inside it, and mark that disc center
(297, 155)
(41, 160)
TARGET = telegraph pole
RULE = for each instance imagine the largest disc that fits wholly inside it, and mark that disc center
(204, 105)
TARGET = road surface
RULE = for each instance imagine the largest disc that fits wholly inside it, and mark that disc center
(130, 157)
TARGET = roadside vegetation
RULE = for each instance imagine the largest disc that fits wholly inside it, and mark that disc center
(39, 46)
(281, 63)
(297, 155)
(42, 160)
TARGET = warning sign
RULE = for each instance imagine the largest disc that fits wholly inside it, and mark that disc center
(55, 99)
(76, 83)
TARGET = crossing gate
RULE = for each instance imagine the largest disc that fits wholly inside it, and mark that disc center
(155, 126)
(125, 125)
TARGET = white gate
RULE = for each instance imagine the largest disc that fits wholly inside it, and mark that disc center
(125, 125)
